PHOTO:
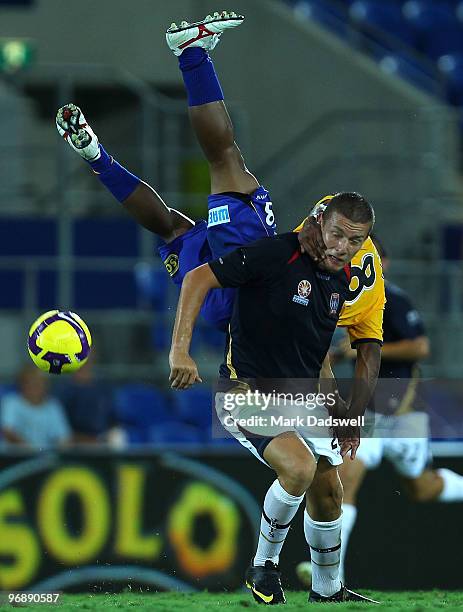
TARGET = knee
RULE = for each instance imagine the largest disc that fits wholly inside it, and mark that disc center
(297, 476)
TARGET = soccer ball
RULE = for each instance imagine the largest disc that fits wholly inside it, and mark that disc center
(59, 342)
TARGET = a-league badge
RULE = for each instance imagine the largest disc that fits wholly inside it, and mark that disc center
(303, 291)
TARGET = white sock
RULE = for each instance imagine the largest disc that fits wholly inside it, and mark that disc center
(279, 510)
(349, 516)
(453, 486)
(324, 540)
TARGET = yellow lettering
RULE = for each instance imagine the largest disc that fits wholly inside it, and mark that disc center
(18, 542)
(130, 541)
(66, 547)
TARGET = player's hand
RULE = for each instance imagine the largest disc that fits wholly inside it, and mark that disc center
(349, 440)
(311, 240)
(183, 371)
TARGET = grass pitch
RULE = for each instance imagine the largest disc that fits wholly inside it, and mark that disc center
(199, 602)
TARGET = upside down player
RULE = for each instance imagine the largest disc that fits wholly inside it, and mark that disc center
(237, 200)
(240, 209)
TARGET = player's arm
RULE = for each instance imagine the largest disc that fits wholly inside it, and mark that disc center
(413, 350)
(366, 375)
(310, 238)
(406, 324)
(195, 286)
(245, 265)
(310, 233)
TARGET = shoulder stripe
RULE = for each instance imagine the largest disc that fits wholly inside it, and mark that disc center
(294, 257)
(347, 270)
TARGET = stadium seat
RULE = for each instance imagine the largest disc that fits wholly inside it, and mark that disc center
(160, 335)
(385, 16)
(326, 14)
(438, 31)
(194, 406)
(175, 433)
(410, 70)
(153, 285)
(451, 67)
(138, 408)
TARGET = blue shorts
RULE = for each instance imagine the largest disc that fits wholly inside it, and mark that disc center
(233, 221)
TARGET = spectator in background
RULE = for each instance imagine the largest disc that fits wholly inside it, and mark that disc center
(30, 416)
(89, 406)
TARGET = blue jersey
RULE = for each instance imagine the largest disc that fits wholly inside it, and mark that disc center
(234, 219)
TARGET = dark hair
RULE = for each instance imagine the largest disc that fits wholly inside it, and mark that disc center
(379, 246)
(353, 206)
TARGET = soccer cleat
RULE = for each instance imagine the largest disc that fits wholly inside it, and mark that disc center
(265, 583)
(72, 126)
(343, 594)
(205, 33)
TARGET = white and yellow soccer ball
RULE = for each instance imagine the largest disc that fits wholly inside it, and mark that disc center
(59, 342)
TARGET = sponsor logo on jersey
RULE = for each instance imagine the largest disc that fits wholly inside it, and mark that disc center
(303, 291)
(218, 215)
(334, 303)
(171, 264)
(263, 196)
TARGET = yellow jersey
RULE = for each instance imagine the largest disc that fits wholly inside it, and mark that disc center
(363, 310)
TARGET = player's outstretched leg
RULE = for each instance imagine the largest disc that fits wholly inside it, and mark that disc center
(137, 197)
(208, 114)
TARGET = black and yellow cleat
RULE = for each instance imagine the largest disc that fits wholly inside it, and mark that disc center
(343, 594)
(265, 584)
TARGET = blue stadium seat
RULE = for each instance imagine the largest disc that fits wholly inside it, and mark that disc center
(153, 284)
(160, 335)
(328, 15)
(194, 406)
(225, 441)
(451, 67)
(437, 28)
(175, 433)
(385, 16)
(410, 70)
(140, 407)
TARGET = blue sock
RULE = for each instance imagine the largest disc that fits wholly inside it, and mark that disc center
(120, 182)
(201, 81)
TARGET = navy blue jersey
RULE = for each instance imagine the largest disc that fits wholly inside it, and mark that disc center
(285, 312)
(234, 219)
(401, 322)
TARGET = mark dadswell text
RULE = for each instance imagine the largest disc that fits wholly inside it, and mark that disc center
(296, 421)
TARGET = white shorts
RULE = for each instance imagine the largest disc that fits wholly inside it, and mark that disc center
(320, 443)
(393, 441)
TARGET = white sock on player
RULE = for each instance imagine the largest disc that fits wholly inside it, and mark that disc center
(324, 540)
(349, 516)
(453, 486)
(278, 512)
